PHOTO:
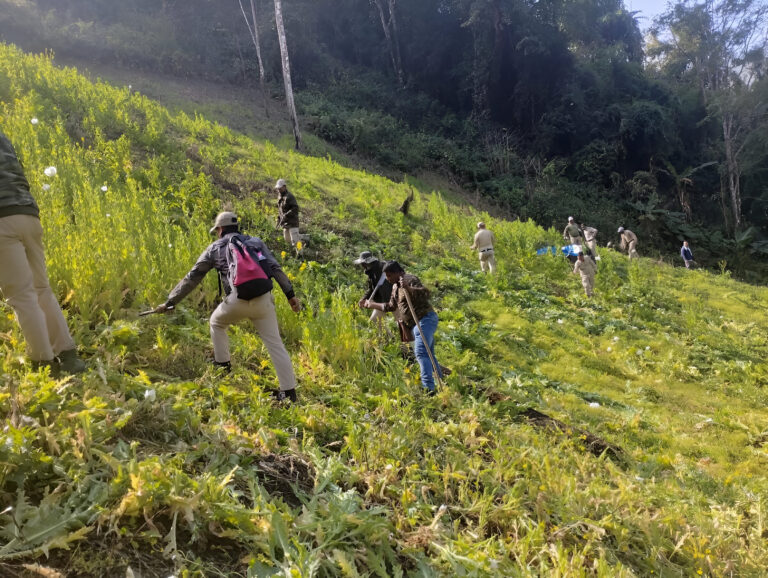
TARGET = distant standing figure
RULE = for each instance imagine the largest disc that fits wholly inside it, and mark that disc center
(628, 242)
(687, 255)
(587, 269)
(590, 239)
(23, 273)
(572, 232)
(288, 213)
(484, 242)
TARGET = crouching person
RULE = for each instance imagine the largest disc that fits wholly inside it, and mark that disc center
(246, 268)
(423, 325)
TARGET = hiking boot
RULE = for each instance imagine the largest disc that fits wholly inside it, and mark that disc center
(39, 365)
(289, 394)
(69, 362)
(225, 366)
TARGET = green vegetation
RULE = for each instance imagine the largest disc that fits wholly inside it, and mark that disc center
(151, 460)
(542, 109)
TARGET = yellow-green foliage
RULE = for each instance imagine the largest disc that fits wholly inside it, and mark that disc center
(152, 460)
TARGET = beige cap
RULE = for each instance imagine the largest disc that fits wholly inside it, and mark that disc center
(224, 219)
(481, 225)
(280, 184)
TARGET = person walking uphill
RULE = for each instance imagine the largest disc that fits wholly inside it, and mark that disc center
(587, 269)
(235, 255)
(287, 213)
(484, 242)
(23, 273)
(628, 242)
(590, 239)
(405, 287)
(572, 232)
(379, 290)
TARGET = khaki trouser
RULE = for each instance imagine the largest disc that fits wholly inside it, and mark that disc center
(588, 283)
(592, 246)
(576, 241)
(632, 250)
(24, 283)
(291, 235)
(261, 312)
(487, 261)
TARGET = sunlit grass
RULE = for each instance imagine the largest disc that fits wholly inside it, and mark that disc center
(153, 455)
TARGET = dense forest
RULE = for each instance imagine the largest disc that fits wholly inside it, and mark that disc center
(548, 108)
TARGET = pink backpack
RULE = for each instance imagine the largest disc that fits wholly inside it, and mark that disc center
(246, 275)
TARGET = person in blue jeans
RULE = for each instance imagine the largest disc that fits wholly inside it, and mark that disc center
(403, 283)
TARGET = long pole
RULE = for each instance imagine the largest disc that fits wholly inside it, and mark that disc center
(429, 350)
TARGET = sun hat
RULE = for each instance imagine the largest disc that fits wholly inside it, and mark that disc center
(280, 183)
(224, 219)
(621, 230)
(571, 219)
(365, 257)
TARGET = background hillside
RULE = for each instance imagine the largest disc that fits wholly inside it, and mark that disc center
(543, 109)
(151, 461)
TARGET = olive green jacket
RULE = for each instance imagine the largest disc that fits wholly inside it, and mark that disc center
(15, 198)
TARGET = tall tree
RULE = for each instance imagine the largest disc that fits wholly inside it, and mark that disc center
(253, 29)
(720, 46)
(388, 17)
(286, 65)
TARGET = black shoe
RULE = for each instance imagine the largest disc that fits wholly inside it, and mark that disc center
(225, 366)
(289, 394)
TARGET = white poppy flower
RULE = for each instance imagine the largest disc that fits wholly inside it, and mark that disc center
(34, 121)
(50, 172)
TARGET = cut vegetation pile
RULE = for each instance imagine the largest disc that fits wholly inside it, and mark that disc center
(649, 458)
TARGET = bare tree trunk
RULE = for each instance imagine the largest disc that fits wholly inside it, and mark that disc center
(253, 29)
(732, 166)
(389, 25)
(287, 72)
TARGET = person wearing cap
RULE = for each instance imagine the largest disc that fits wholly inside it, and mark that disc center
(23, 272)
(379, 289)
(687, 255)
(422, 319)
(288, 213)
(590, 239)
(572, 232)
(628, 242)
(484, 242)
(587, 269)
(259, 310)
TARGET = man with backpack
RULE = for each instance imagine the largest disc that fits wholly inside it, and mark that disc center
(287, 213)
(23, 273)
(246, 268)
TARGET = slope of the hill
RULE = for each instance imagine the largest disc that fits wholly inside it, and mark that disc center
(152, 461)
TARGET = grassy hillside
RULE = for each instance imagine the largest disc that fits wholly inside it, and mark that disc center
(154, 462)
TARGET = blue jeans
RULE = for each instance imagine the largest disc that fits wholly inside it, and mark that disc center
(421, 342)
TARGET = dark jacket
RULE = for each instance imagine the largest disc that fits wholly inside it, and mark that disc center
(686, 253)
(384, 291)
(215, 257)
(15, 198)
(419, 298)
(288, 210)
